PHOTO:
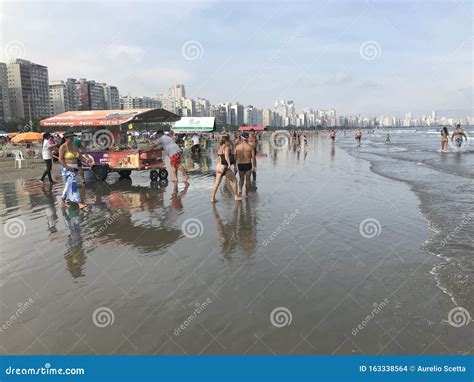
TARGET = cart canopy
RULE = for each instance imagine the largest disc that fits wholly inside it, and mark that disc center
(255, 128)
(195, 125)
(109, 117)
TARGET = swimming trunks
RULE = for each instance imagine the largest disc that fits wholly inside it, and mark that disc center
(175, 159)
(244, 167)
(459, 141)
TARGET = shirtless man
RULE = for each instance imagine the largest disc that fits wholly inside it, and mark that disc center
(245, 157)
(253, 141)
(458, 136)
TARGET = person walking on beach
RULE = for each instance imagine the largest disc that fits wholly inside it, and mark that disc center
(174, 153)
(223, 168)
(196, 147)
(47, 154)
(458, 136)
(68, 157)
(332, 135)
(444, 139)
(358, 136)
(244, 155)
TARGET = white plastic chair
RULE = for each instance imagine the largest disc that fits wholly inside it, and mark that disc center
(19, 158)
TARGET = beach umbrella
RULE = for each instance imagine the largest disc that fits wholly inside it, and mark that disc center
(27, 137)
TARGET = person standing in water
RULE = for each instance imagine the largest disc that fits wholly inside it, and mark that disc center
(358, 136)
(47, 154)
(458, 136)
(174, 153)
(223, 168)
(68, 157)
(244, 155)
(332, 135)
(253, 141)
(444, 139)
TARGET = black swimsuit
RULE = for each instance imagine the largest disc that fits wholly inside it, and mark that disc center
(224, 163)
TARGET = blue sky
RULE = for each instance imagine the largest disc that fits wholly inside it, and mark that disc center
(256, 52)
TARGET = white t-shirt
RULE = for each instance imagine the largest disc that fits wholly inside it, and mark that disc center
(196, 139)
(47, 150)
(168, 144)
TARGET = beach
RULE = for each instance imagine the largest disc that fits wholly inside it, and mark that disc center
(338, 250)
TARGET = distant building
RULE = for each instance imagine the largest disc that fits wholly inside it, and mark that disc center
(111, 97)
(237, 115)
(28, 88)
(64, 96)
(91, 95)
(202, 107)
(128, 102)
(5, 114)
(177, 92)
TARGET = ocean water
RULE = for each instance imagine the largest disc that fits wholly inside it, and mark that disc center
(444, 182)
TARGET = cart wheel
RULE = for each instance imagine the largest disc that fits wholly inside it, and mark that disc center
(100, 172)
(163, 174)
(154, 175)
(154, 185)
(163, 182)
(125, 173)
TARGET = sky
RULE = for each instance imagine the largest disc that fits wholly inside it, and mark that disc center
(359, 57)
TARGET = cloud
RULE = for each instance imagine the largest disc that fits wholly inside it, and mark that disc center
(124, 52)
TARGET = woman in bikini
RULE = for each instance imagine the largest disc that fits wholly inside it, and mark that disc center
(444, 139)
(69, 156)
(222, 168)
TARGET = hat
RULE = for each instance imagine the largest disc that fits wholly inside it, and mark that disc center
(68, 134)
(245, 136)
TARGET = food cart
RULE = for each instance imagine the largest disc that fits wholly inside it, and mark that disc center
(199, 125)
(104, 134)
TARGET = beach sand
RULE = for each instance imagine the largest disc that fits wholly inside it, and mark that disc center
(325, 257)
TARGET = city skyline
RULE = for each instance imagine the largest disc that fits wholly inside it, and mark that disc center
(364, 58)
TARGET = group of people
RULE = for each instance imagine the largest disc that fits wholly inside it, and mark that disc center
(236, 156)
(457, 137)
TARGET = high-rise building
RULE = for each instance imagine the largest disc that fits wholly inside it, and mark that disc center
(237, 114)
(202, 107)
(28, 88)
(128, 102)
(111, 97)
(5, 114)
(91, 95)
(64, 96)
(177, 92)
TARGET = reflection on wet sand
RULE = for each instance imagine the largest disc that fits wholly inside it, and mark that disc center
(240, 231)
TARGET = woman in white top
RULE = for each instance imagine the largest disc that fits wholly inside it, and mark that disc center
(47, 157)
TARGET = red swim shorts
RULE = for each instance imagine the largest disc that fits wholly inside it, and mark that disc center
(175, 159)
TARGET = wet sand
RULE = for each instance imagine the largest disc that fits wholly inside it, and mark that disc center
(287, 271)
